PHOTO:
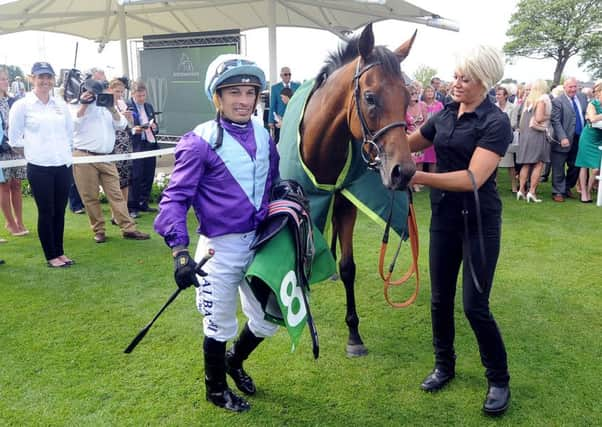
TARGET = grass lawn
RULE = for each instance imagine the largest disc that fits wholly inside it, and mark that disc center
(62, 335)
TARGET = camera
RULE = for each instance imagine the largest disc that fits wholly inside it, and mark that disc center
(97, 88)
(105, 100)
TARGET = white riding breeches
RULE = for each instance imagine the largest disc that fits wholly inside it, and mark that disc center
(216, 297)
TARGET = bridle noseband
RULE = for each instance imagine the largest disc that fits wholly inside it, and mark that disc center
(370, 139)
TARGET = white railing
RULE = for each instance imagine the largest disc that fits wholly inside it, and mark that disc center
(599, 178)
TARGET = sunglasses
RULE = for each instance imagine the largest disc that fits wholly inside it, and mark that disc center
(286, 74)
(231, 63)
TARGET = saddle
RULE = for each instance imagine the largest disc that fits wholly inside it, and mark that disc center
(289, 206)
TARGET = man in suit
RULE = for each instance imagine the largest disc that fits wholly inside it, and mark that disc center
(143, 139)
(277, 105)
(568, 120)
(436, 84)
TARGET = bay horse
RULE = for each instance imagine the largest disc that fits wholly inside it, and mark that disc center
(358, 95)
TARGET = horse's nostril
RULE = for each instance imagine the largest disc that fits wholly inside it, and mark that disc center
(397, 177)
(400, 176)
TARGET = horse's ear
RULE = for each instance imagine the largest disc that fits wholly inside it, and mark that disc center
(404, 50)
(366, 43)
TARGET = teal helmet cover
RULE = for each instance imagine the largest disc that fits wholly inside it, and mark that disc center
(233, 70)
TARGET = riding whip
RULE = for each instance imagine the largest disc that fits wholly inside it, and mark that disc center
(173, 296)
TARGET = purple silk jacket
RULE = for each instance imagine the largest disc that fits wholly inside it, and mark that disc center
(228, 187)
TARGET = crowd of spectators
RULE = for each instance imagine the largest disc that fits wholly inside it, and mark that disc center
(49, 133)
(557, 132)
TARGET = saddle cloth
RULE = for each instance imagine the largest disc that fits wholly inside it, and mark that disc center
(272, 276)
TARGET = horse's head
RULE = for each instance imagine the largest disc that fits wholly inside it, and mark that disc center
(378, 110)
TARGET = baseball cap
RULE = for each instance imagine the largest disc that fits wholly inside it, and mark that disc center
(42, 68)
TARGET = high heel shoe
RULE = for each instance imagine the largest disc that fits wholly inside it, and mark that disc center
(520, 195)
(532, 198)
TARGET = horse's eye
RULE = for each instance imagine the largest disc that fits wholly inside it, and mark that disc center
(370, 98)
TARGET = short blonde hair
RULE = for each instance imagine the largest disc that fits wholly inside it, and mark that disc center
(557, 91)
(597, 86)
(482, 63)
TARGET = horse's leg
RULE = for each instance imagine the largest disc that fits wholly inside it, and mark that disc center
(333, 248)
(344, 217)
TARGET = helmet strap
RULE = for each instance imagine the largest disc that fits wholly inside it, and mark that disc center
(220, 131)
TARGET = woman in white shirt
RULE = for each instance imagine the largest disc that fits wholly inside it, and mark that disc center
(42, 124)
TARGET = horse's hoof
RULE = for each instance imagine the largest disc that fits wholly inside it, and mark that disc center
(356, 350)
(334, 277)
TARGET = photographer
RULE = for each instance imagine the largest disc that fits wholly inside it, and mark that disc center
(96, 119)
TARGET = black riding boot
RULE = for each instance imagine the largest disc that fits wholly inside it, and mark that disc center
(240, 351)
(217, 391)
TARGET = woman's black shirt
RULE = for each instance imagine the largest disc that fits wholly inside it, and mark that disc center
(455, 140)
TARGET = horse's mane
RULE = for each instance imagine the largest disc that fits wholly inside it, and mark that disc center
(347, 52)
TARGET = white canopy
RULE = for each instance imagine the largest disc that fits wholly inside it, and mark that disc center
(108, 20)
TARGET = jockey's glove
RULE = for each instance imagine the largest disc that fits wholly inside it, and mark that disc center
(185, 270)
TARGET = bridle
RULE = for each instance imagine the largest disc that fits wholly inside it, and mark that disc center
(370, 145)
(369, 139)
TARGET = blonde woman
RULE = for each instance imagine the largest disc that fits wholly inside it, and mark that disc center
(11, 201)
(429, 159)
(470, 135)
(533, 147)
(416, 115)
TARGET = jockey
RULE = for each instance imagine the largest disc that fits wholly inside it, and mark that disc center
(224, 169)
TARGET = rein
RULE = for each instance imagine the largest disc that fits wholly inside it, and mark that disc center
(413, 269)
(467, 251)
(369, 139)
(370, 145)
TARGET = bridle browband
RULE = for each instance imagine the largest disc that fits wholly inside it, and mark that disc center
(370, 139)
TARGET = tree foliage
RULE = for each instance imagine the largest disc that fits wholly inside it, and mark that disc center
(556, 29)
(591, 57)
(424, 74)
(13, 71)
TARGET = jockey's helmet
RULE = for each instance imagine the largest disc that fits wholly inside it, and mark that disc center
(233, 70)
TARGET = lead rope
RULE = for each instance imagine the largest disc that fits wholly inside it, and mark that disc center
(467, 248)
(413, 269)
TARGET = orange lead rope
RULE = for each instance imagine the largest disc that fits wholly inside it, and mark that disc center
(412, 270)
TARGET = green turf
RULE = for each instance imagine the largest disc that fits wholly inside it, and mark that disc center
(62, 335)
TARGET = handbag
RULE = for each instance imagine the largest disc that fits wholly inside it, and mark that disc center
(4, 146)
(513, 147)
(550, 135)
(547, 130)
(534, 124)
(597, 125)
